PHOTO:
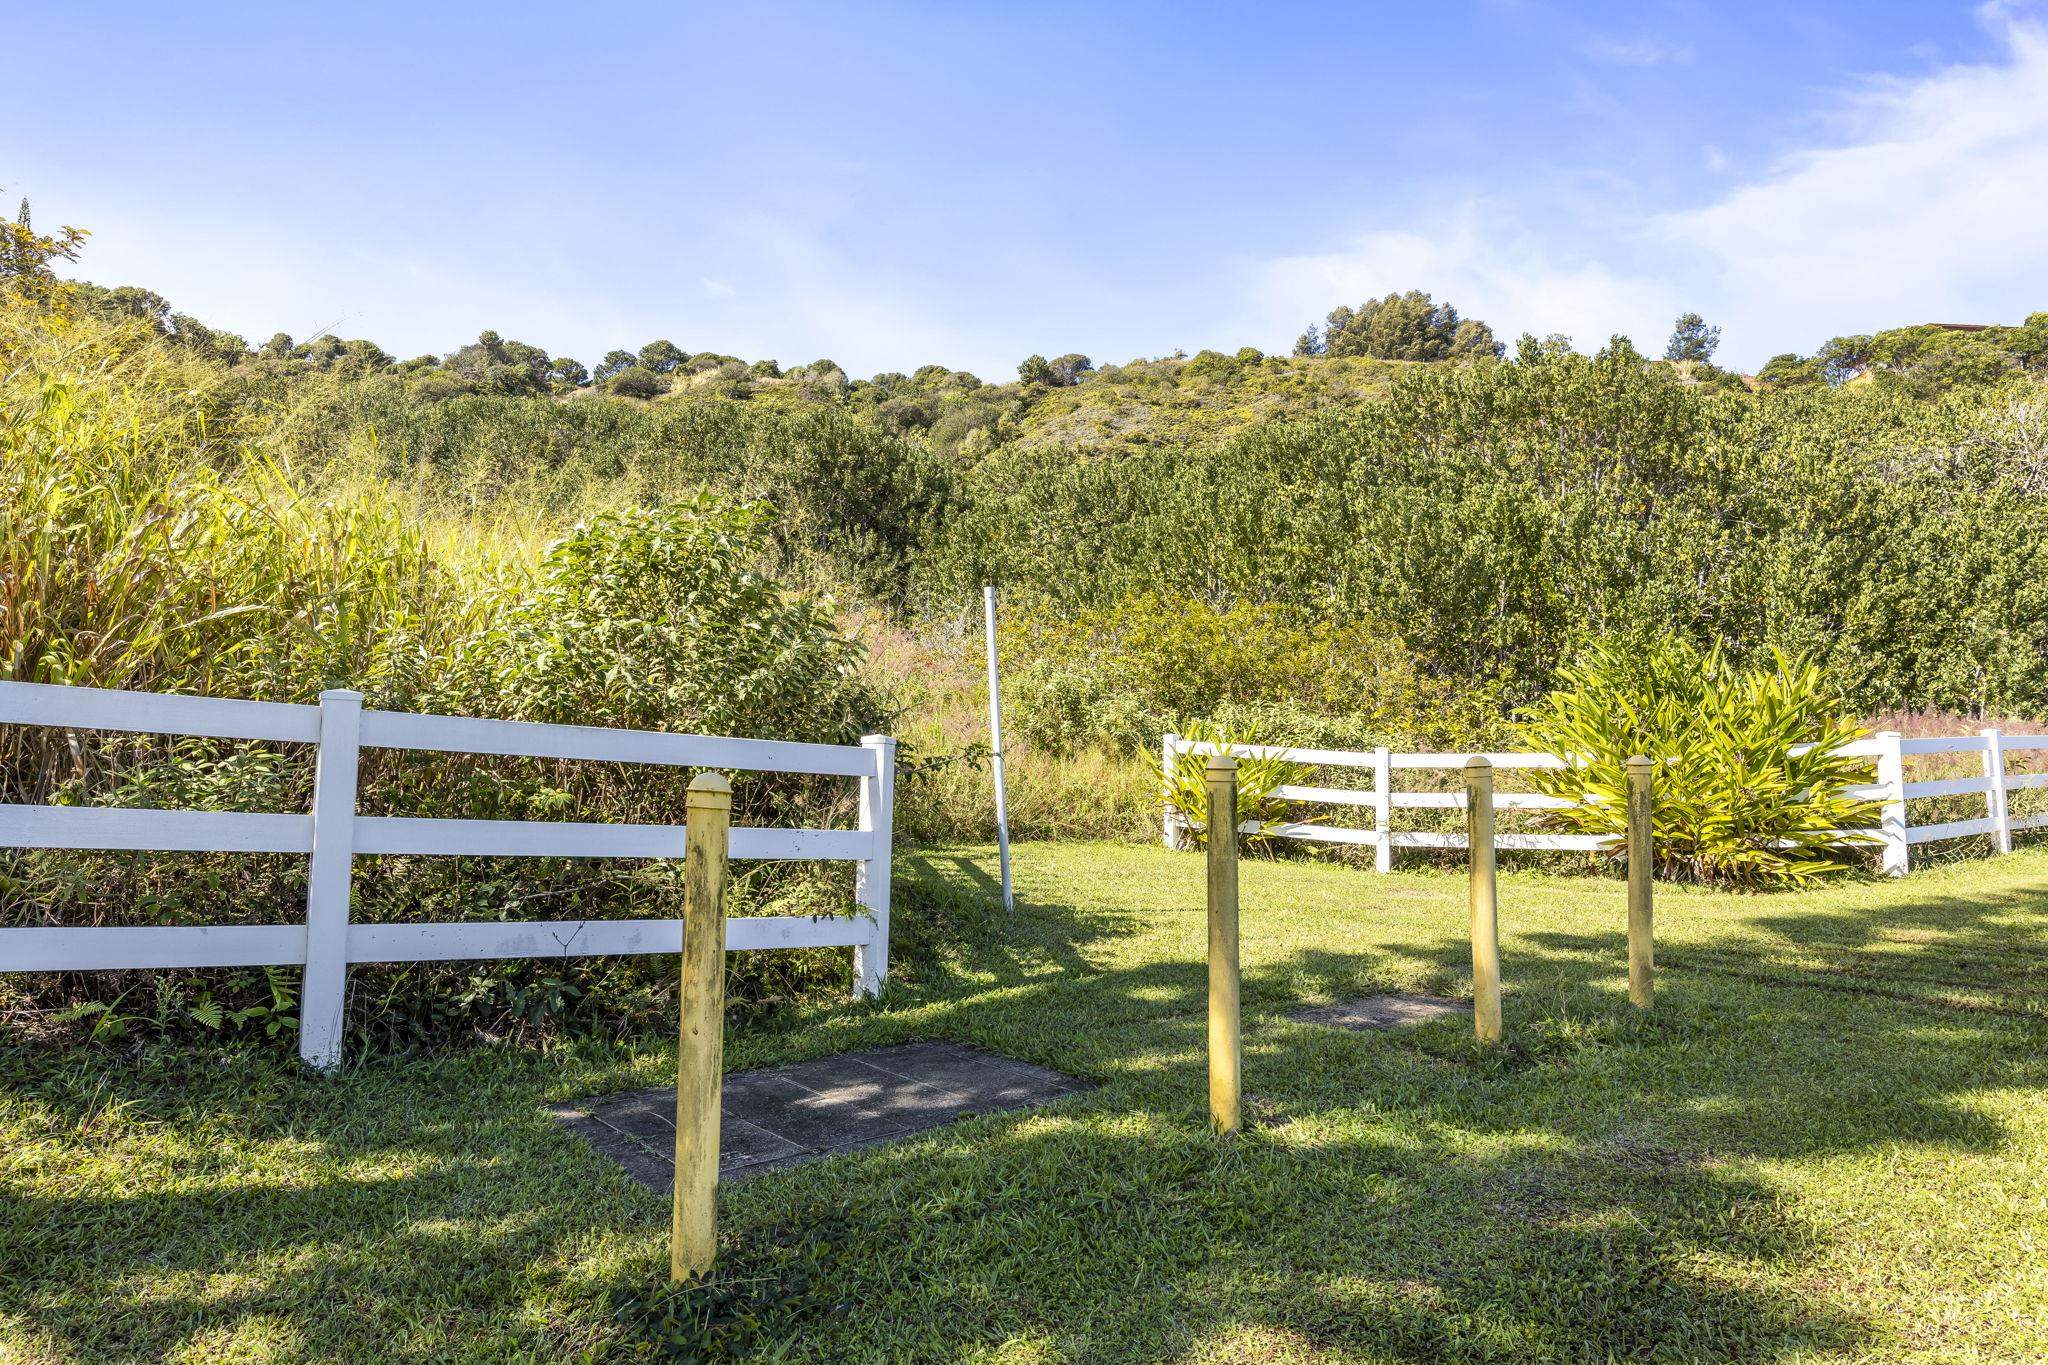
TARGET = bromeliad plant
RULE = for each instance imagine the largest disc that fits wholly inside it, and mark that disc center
(1751, 786)
(1187, 792)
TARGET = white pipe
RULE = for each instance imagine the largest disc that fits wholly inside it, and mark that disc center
(995, 731)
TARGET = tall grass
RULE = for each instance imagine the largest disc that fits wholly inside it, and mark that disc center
(153, 536)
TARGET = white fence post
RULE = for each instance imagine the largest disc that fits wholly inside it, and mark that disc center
(1171, 827)
(871, 877)
(1891, 775)
(1383, 807)
(1994, 790)
(323, 989)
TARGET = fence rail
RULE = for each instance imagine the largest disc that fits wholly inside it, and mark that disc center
(1895, 835)
(332, 835)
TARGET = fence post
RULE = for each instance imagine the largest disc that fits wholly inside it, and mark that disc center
(323, 989)
(1641, 952)
(1485, 904)
(1172, 827)
(1891, 775)
(1994, 793)
(1383, 808)
(872, 876)
(1225, 1037)
(700, 1049)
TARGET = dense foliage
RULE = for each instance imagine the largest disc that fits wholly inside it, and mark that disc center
(1398, 536)
(1750, 785)
(1495, 518)
(137, 551)
(1410, 326)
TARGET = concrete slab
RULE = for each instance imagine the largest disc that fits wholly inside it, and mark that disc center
(1381, 1012)
(793, 1114)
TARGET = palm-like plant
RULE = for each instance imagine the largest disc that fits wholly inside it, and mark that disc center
(1751, 786)
(1186, 785)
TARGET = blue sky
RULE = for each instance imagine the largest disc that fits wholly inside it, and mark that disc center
(889, 185)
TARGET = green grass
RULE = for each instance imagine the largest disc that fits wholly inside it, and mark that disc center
(1830, 1140)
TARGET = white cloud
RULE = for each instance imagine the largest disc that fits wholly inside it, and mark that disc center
(1929, 208)
(717, 289)
(1479, 261)
(1638, 52)
(1933, 212)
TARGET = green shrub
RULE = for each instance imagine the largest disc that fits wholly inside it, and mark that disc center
(1750, 786)
(1119, 675)
(140, 548)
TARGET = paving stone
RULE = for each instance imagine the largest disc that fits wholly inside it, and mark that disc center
(1381, 1012)
(792, 1114)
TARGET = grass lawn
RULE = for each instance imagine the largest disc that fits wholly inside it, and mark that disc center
(1830, 1140)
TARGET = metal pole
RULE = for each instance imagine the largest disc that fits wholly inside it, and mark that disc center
(995, 731)
(700, 1054)
(1485, 903)
(1641, 957)
(1225, 1034)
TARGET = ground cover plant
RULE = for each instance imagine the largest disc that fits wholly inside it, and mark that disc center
(1830, 1141)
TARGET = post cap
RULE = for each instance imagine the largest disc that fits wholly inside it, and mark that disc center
(1641, 761)
(1478, 763)
(710, 789)
(1221, 763)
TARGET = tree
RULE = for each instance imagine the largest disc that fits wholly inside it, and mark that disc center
(1035, 370)
(570, 374)
(1843, 358)
(1310, 342)
(1408, 326)
(1692, 339)
(225, 347)
(26, 272)
(637, 381)
(613, 363)
(362, 356)
(1619, 350)
(661, 356)
(124, 301)
(1791, 371)
(492, 364)
(1473, 340)
(1529, 350)
(1071, 369)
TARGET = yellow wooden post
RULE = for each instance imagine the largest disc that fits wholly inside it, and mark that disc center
(1485, 903)
(1225, 1036)
(700, 1057)
(1641, 962)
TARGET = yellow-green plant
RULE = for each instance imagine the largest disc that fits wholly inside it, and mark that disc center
(1186, 788)
(1751, 784)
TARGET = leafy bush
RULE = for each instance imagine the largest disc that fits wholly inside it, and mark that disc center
(1119, 675)
(1185, 787)
(141, 549)
(655, 619)
(1494, 519)
(1750, 786)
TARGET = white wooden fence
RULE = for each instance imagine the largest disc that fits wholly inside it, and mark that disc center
(332, 835)
(1895, 834)
(1997, 784)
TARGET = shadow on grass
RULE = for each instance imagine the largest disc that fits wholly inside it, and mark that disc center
(1581, 1192)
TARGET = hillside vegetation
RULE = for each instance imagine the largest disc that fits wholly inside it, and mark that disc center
(1397, 535)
